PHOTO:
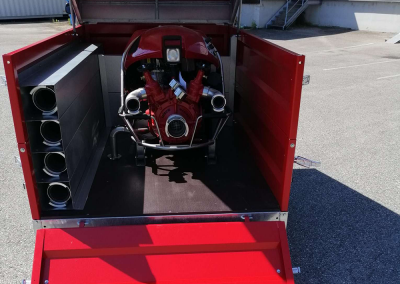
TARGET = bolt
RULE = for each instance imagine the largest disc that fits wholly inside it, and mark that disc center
(8, 62)
(46, 281)
(22, 150)
(279, 271)
(292, 145)
(299, 62)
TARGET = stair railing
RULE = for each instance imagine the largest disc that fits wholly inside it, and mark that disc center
(287, 7)
(274, 16)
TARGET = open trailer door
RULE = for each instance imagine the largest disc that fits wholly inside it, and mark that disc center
(267, 102)
(226, 252)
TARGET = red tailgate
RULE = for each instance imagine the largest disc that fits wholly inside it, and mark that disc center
(231, 252)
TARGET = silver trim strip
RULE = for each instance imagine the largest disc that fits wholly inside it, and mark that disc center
(160, 219)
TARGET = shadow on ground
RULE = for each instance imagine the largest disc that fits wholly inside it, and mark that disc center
(337, 235)
(298, 32)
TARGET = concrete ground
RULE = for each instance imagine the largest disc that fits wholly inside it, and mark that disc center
(343, 225)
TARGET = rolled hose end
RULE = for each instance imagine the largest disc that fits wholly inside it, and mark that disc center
(59, 194)
(51, 132)
(132, 101)
(44, 100)
(218, 103)
(54, 164)
(218, 100)
(132, 105)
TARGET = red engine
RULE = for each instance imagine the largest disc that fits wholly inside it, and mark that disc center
(157, 64)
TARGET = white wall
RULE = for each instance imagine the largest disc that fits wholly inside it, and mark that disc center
(372, 16)
(260, 13)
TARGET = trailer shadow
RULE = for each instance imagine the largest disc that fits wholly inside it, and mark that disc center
(338, 235)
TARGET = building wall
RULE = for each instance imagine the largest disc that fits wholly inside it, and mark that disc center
(260, 13)
(372, 16)
(19, 9)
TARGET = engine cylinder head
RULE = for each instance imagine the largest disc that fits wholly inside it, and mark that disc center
(44, 99)
(54, 164)
(51, 132)
(176, 126)
(59, 194)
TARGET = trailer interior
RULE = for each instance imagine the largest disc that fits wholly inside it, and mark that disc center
(250, 180)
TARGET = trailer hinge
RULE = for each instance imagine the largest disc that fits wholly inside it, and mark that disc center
(306, 79)
(3, 80)
(306, 162)
(17, 161)
(296, 270)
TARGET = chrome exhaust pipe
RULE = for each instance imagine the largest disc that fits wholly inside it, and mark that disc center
(44, 100)
(132, 101)
(54, 164)
(59, 194)
(51, 132)
(218, 100)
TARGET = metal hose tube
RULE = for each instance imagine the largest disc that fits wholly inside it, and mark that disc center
(59, 194)
(132, 101)
(218, 100)
(44, 99)
(51, 132)
(54, 164)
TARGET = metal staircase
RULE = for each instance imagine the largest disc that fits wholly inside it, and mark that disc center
(287, 14)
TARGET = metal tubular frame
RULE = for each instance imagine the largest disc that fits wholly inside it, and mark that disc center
(161, 146)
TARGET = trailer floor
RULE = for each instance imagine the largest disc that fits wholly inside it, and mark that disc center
(181, 182)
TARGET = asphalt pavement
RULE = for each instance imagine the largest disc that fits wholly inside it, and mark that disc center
(344, 223)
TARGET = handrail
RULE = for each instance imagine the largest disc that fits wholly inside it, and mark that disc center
(286, 5)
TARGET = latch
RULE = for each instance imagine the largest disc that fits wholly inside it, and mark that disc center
(306, 162)
(306, 79)
(3, 80)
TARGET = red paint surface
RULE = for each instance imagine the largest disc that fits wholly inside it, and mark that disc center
(151, 44)
(163, 104)
(248, 252)
(268, 86)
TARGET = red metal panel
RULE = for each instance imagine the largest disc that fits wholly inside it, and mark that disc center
(248, 252)
(268, 87)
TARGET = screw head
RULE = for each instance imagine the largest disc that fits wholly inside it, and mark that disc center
(22, 150)
(299, 62)
(292, 145)
(8, 62)
(46, 281)
(278, 270)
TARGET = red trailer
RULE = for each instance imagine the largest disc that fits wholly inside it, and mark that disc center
(150, 214)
